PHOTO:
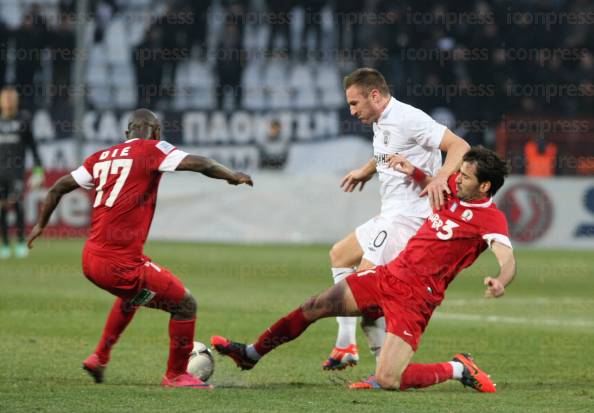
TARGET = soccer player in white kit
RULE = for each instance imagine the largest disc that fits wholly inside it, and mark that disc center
(398, 129)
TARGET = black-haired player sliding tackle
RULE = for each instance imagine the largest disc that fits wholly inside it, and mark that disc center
(409, 288)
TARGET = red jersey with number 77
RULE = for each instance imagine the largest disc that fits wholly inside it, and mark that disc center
(125, 178)
(449, 241)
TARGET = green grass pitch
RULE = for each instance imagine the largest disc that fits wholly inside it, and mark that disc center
(537, 342)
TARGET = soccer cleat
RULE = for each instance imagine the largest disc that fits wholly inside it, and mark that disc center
(341, 358)
(4, 252)
(234, 350)
(473, 376)
(21, 250)
(93, 366)
(186, 380)
(367, 384)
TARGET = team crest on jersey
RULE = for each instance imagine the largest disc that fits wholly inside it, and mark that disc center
(386, 137)
(454, 207)
(467, 215)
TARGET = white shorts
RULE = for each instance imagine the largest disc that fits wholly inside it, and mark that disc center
(382, 239)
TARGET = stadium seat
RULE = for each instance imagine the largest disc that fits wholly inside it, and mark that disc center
(10, 13)
(253, 87)
(276, 84)
(116, 41)
(125, 97)
(200, 80)
(329, 84)
(303, 86)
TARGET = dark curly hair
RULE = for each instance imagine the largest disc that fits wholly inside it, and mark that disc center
(489, 167)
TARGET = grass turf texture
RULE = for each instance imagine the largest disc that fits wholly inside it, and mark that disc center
(539, 353)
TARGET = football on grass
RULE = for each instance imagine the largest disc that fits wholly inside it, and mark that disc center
(201, 362)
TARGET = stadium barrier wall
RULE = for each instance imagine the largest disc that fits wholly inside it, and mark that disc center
(542, 213)
(290, 208)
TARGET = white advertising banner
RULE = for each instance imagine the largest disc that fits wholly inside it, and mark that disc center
(550, 213)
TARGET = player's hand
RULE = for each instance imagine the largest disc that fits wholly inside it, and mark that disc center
(401, 164)
(35, 233)
(352, 179)
(437, 190)
(241, 178)
(495, 288)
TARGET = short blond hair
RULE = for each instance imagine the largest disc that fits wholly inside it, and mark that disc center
(367, 79)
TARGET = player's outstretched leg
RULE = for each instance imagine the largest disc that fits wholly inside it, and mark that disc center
(337, 300)
(119, 317)
(344, 255)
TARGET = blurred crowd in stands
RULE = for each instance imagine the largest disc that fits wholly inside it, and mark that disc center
(469, 63)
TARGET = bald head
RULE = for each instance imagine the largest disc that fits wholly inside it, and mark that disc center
(143, 124)
(9, 102)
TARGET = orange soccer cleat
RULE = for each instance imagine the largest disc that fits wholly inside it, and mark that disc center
(341, 358)
(367, 384)
(473, 376)
(236, 351)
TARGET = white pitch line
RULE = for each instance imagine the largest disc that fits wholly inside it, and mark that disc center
(520, 301)
(514, 320)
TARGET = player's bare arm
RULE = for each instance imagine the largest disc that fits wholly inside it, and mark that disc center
(213, 169)
(358, 177)
(455, 147)
(507, 271)
(62, 186)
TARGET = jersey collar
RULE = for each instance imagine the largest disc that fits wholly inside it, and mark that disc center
(131, 140)
(479, 203)
(387, 110)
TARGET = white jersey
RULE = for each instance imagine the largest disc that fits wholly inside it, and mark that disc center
(410, 132)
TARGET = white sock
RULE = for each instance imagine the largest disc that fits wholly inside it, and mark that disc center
(375, 331)
(457, 368)
(340, 274)
(347, 326)
(251, 352)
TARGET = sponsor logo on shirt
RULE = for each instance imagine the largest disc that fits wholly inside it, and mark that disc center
(381, 158)
(165, 147)
(467, 215)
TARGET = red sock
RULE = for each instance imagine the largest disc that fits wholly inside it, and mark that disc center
(424, 375)
(286, 329)
(181, 343)
(116, 323)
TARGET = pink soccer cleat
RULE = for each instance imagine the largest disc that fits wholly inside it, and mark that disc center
(186, 380)
(93, 366)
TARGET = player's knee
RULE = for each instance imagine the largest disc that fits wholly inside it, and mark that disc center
(187, 307)
(336, 256)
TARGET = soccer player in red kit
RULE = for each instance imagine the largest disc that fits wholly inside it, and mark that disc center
(125, 178)
(410, 287)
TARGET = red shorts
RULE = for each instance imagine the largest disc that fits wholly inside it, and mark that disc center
(141, 282)
(378, 292)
